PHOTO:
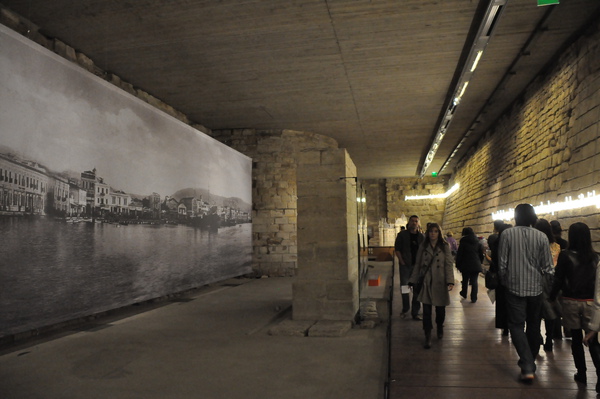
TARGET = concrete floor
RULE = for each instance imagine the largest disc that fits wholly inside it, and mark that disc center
(212, 344)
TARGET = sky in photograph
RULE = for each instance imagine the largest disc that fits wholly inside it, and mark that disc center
(55, 113)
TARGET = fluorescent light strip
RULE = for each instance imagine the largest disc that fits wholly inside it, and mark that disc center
(569, 203)
(463, 89)
(477, 58)
(432, 196)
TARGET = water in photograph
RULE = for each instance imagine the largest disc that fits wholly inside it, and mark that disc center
(52, 271)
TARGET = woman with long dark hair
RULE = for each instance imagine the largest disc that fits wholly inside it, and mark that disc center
(575, 276)
(433, 270)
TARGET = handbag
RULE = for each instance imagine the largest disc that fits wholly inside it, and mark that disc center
(491, 280)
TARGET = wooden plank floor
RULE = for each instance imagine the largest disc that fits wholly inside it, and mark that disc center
(474, 360)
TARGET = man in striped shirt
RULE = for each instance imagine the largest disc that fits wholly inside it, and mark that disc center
(523, 258)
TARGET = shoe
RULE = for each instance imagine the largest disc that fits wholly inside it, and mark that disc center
(548, 346)
(473, 301)
(463, 295)
(427, 343)
(403, 315)
(505, 332)
(417, 317)
(526, 377)
(580, 377)
(440, 333)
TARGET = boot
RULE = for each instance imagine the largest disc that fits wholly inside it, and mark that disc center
(427, 344)
(405, 304)
(440, 332)
(580, 377)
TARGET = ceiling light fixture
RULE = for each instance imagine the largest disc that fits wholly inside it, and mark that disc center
(486, 28)
(477, 58)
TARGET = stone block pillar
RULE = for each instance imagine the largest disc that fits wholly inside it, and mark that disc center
(326, 286)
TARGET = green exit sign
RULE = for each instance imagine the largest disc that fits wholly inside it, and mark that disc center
(547, 2)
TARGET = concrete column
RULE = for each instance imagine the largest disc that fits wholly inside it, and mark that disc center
(326, 286)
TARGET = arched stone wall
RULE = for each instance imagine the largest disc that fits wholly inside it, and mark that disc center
(275, 155)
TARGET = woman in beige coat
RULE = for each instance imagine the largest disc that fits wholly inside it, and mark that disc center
(434, 263)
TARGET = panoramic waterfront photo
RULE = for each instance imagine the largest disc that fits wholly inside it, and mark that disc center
(104, 200)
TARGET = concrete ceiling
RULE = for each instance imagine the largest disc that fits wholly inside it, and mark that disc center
(376, 75)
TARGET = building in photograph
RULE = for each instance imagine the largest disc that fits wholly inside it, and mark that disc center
(23, 186)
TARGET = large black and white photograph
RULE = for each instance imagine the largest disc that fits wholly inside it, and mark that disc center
(106, 201)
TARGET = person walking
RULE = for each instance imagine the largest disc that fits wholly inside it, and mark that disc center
(452, 242)
(406, 247)
(500, 305)
(468, 262)
(524, 258)
(576, 276)
(557, 232)
(434, 267)
(550, 309)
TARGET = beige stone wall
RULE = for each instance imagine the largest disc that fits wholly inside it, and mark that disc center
(545, 148)
(429, 210)
(386, 199)
(275, 155)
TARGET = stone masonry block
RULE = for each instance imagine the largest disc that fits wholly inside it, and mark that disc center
(322, 230)
(292, 328)
(303, 309)
(329, 328)
(309, 158)
(309, 289)
(312, 174)
(340, 310)
(334, 157)
(342, 290)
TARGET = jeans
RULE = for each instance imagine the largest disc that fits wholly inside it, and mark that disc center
(525, 311)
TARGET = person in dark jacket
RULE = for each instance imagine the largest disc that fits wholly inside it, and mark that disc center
(576, 275)
(406, 248)
(468, 262)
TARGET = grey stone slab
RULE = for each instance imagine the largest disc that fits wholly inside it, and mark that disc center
(292, 328)
(329, 328)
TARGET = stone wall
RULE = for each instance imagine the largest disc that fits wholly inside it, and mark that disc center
(275, 155)
(386, 200)
(543, 149)
(428, 210)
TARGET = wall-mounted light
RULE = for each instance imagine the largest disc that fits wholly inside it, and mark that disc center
(582, 201)
(433, 196)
